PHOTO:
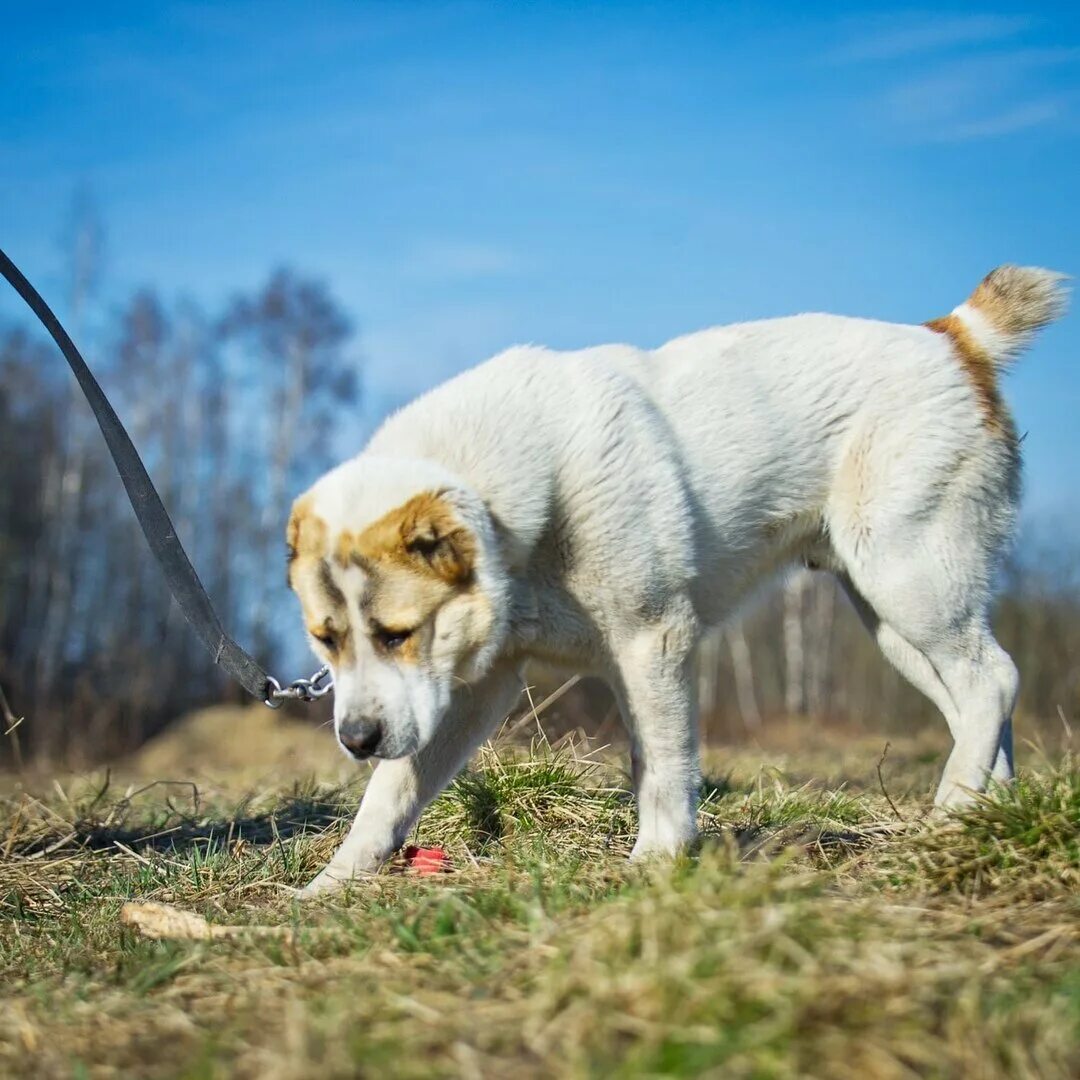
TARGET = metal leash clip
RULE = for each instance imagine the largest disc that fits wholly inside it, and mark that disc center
(318, 685)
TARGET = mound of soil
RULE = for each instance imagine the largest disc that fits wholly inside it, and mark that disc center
(232, 739)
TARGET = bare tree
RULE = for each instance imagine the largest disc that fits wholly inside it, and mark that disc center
(819, 654)
(290, 333)
(795, 590)
(64, 488)
(742, 665)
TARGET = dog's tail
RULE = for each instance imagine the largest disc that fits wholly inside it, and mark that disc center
(1000, 317)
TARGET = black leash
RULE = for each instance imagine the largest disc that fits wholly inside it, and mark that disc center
(183, 581)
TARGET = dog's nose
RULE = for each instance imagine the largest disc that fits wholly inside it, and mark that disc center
(361, 737)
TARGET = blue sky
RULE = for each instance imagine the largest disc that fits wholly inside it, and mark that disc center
(469, 175)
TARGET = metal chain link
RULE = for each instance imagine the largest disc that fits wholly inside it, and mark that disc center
(311, 689)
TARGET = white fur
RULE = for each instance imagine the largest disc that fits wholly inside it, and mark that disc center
(627, 500)
(994, 342)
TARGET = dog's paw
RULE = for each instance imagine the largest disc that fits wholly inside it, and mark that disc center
(657, 852)
(322, 885)
(668, 845)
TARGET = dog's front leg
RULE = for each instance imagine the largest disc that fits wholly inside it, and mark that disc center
(399, 790)
(656, 697)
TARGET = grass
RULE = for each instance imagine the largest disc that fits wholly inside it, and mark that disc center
(814, 934)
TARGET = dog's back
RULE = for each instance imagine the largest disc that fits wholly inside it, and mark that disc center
(764, 437)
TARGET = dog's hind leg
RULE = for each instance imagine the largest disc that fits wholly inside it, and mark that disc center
(983, 682)
(924, 599)
(903, 656)
(400, 789)
(921, 673)
(655, 690)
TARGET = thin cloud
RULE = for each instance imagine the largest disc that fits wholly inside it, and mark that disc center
(1019, 118)
(927, 33)
(980, 96)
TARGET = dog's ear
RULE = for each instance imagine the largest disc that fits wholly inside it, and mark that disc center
(432, 534)
(305, 534)
(424, 534)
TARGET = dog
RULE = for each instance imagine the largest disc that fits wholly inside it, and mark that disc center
(602, 509)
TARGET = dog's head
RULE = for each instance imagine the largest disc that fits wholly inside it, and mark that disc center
(398, 573)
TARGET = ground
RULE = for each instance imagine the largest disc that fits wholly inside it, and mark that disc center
(825, 929)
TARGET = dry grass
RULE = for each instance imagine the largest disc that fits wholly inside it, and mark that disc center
(815, 934)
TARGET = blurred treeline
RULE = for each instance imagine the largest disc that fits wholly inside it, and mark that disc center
(236, 410)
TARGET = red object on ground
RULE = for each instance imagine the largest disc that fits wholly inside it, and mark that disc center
(426, 860)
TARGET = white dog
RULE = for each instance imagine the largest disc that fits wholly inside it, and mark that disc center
(602, 509)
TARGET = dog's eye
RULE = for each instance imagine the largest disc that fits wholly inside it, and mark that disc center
(391, 639)
(324, 638)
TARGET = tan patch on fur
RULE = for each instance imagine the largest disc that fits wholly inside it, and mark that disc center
(306, 532)
(980, 372)
(416, 558)
(419, 557)
(423, 534)
(307, 537)
(401, 598)
(410, 650)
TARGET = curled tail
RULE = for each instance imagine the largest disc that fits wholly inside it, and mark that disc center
(995, 323)
(998, 320)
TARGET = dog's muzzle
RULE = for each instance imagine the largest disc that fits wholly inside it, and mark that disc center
(360, 737)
